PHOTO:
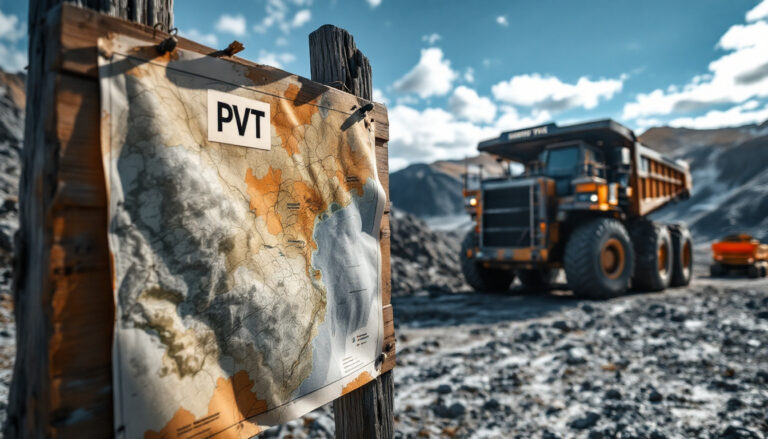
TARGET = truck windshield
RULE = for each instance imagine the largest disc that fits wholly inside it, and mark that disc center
(562, 161)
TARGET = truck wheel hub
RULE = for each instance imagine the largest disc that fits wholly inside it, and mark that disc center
(663, 257)
(612, 258)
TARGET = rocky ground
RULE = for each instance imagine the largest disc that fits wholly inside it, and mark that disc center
(11, 134)
(686, 363)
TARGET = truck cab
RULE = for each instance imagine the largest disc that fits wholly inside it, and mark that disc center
(572, 175)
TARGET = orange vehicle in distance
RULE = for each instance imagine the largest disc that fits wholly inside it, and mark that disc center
(739, 253)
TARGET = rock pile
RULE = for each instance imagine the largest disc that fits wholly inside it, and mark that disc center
(422, 259)
(11, 140)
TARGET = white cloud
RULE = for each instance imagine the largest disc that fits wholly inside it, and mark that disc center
(275, 59)
(373, 3)
(233, 24)
(511, 119)
(10, 28)
(551, 94)
(436, 134)
(301, 18)
(281, 42)
(759, 12)
(469, 74)
(734, 78)
(432, 134)
(195, 35)
(432, 76)
(501, 20)
(279, 14)
(378, 96)
(407, 100)
(431, 38)
(645, 123)
(743, 114)
(466, 104)
(11, 59)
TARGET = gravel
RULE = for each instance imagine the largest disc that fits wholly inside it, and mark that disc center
(688, 362)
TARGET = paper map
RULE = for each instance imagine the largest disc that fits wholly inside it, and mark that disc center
(246, 280)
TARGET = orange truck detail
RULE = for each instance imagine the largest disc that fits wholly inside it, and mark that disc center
(739, 253)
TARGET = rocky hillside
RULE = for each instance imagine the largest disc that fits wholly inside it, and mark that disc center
(423, 191)
(11, 136)
(730, 178)
(434, 190)
(422, 259)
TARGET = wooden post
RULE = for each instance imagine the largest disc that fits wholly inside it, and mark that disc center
(366, 412)
(61, 295)
(337, 62)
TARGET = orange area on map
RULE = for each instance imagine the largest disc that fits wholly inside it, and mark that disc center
(312, 204)
(289, 117)
(357, 169)
(361, 380)
(232, 403)
(263, 193)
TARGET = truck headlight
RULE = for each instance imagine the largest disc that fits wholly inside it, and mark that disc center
(472, 201)
(587, 196)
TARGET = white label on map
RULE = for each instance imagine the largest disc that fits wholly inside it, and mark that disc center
(238, 121)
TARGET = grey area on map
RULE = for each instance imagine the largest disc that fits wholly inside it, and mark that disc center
(347, 251)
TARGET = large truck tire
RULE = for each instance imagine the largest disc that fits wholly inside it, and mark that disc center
(653, 255)
(538, 277)
(753, 271)
(479, 277)
(599, 259)
(682, 255)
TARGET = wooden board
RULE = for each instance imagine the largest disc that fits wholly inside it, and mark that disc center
(82, 309)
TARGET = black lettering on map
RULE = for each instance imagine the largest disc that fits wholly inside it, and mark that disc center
(222, 118)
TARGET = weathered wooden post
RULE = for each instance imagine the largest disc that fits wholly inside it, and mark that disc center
(57, 390)
(336, 61)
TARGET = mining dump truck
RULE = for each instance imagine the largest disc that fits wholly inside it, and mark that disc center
(739, 253)
(576, 198)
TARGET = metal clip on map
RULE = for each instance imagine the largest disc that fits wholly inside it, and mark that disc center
(168, 44)
(366, 108)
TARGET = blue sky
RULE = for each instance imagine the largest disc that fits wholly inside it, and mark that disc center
(455, 72)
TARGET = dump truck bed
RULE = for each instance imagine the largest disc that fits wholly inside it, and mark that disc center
(655, 179)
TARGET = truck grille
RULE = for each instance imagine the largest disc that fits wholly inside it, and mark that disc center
(507, 217)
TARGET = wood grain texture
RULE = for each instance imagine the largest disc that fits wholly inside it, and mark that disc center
(62, 288)
(367, 413)
(335, 60)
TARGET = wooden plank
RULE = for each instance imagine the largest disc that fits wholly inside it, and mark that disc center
(62, 377)
(389, 339)
(29, 401)
(81, 29)
(81, 175)
(368, 411)
(82, 301)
